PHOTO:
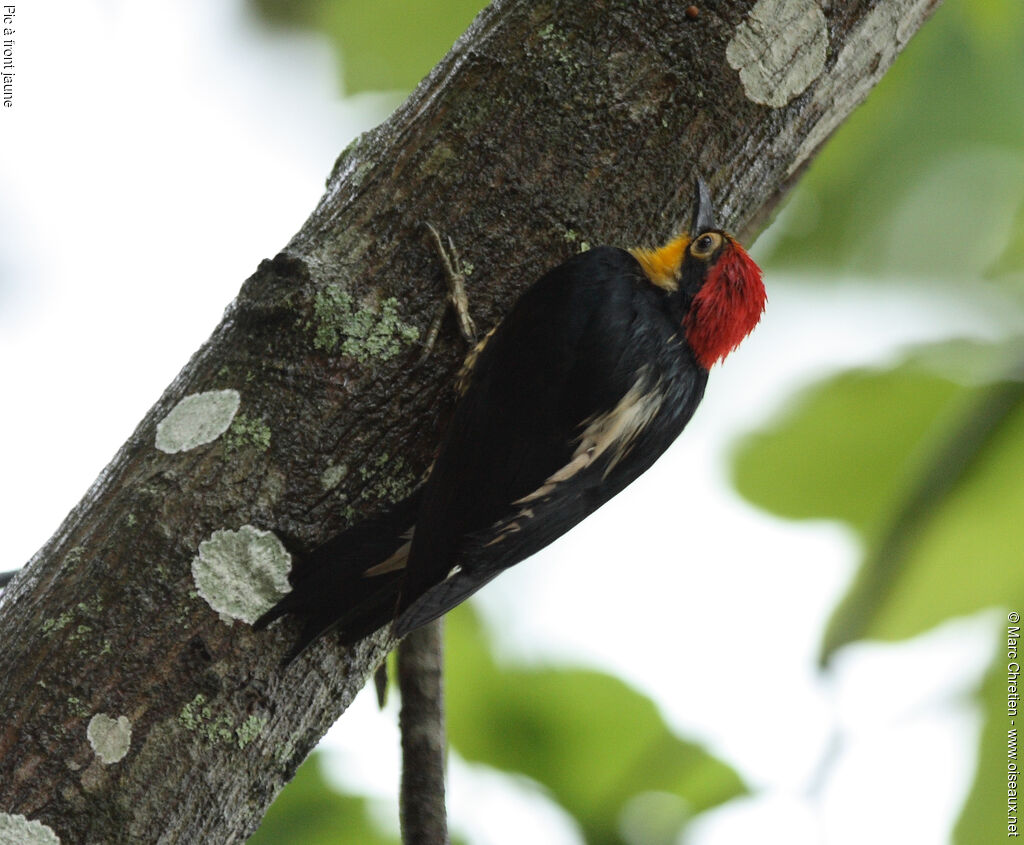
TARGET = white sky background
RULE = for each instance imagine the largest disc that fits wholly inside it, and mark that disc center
(157, 151)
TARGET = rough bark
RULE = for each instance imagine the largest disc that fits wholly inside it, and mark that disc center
(549, 126)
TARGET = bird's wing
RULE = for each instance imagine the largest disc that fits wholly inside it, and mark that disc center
(577, 393)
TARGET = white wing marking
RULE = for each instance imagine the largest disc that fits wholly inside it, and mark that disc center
(615, 429)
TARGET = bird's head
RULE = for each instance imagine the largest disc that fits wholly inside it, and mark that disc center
(718, 288)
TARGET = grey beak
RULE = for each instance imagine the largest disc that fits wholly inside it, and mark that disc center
(703, 212)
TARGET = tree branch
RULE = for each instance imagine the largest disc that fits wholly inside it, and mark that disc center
(547, 127)
(420, 667)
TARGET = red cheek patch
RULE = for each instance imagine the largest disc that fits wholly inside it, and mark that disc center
(727, 307)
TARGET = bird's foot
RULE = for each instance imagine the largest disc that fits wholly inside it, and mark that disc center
(456, 297)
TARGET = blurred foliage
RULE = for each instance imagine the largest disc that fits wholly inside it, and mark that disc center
(384, 45)
(927, 470)
(593, 742)
(852, 415)
(930, 473)
(927, 177)
(924, 460)
(597, 747)
(309, 812)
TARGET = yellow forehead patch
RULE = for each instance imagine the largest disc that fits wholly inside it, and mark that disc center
(662, 265)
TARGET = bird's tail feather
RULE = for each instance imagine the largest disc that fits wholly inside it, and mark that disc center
(331, 587)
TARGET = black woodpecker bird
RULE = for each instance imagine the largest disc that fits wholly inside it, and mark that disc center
(598, 367)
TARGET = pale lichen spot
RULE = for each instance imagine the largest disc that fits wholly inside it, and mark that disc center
(110, 738)
(866, 54)
(333, 476)
(17, 830)
(779, 50)
(241, 574)
(250, 729)
(360, 332)
(197, 419)
(247, 431)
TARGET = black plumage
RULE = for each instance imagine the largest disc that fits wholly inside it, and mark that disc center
(591, 336)
(595, 371)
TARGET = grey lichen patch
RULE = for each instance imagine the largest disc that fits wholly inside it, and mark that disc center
(92, 606)
(77, 706)
(241, 573)
(391, 480)
(191, 715)
(80, 633)
(56, 623)
(779, 50)
(438, 159)
(89, 609)
(274, 484)
(197, 419)
(360, 333)
(247, 431)
(110, 738)
(17, 830)
(333, 476)
(199, 717)
(250, 729)
(556, 44)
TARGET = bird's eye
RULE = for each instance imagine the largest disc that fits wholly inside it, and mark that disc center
(704, 245)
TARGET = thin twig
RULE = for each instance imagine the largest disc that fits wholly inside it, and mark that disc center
(420, 663)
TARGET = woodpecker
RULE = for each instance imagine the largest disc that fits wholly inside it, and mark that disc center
(595, 371)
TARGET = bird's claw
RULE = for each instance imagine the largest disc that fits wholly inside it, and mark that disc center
(456, 298)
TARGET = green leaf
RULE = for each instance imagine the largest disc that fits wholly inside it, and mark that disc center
(1011, 261)
(955, 546)
(591, 740)
(929, 474)
(309, 812)
(841, 452)
(383, 45)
